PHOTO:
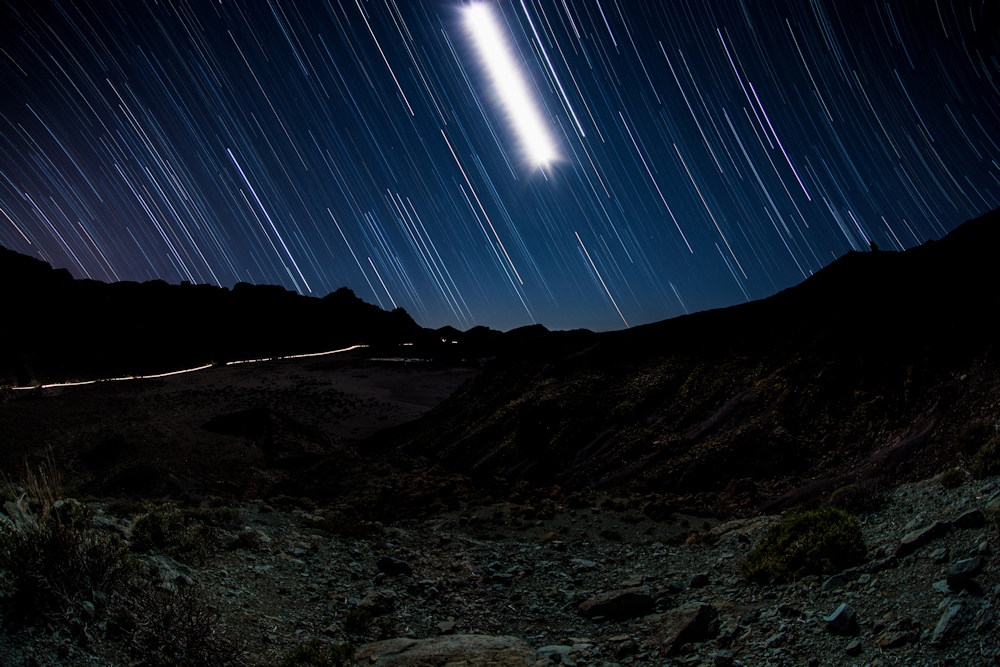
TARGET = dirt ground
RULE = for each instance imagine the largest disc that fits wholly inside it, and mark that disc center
(149, 437)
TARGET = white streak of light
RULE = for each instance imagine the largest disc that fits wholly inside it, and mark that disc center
(655, 185)
(270, 222)
(379, 276)
(186, 370)
(384, 59)
(598, 273)
(485, 214)
(496, 54)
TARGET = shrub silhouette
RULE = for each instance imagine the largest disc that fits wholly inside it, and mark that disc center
(823, 541)
(986, 462)
(952, 479)
(60, 573)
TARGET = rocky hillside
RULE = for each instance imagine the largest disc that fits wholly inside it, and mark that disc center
(870, 371)
(283, 582)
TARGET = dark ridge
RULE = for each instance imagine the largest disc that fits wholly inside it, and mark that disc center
(55, 328)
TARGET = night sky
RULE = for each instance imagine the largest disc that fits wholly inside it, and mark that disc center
(707, 153)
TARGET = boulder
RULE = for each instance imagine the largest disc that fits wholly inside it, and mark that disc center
(620, 604)
(693, 622)
(467, 650)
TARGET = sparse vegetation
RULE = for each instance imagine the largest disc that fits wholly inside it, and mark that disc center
(51, 561)
(61, 574)
(973, 436)
(167, 529)
(863, 497)
(817, 542)
(954, 478)
(986, 462)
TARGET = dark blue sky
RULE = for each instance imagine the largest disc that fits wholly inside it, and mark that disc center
(710, 152)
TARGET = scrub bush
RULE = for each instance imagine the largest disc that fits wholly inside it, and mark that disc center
(824, 541)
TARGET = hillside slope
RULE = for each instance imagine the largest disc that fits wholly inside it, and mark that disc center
(866, 372)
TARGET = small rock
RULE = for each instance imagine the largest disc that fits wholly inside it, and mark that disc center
(169, 571)
(453, 649)
(918, 538)
(625, 649)
(557, 653)
(504, 578)
(582, 565)
(446, 627)
(854, 648)
(693, 622)
(952, 623)
(843, 621)
(833, 583)
(939, 556)
(393, 567)
(962, 571)
(887, 563)
(984, 620)
(378, 603)
(942, 587)
(776, 640)
(88, 609)
(970, 520)
(620, 604)
(898, 639)
(729, 632)
(633, 581)
(722, 658)
(789, 610)
(700, 580)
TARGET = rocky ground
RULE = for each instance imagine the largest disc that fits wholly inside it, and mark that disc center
(587, 586)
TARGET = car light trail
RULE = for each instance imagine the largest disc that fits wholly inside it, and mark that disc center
(55, 385)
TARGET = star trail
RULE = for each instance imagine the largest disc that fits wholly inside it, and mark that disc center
(699, 154)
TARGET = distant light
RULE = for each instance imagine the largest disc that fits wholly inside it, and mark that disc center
(498, 57)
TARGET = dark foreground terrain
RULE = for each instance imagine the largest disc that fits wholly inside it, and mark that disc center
(703, 491)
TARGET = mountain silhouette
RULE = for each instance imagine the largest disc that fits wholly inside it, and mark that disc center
(56, 328)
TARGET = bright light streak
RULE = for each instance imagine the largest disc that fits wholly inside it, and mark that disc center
(187, 370)
(497, 56)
